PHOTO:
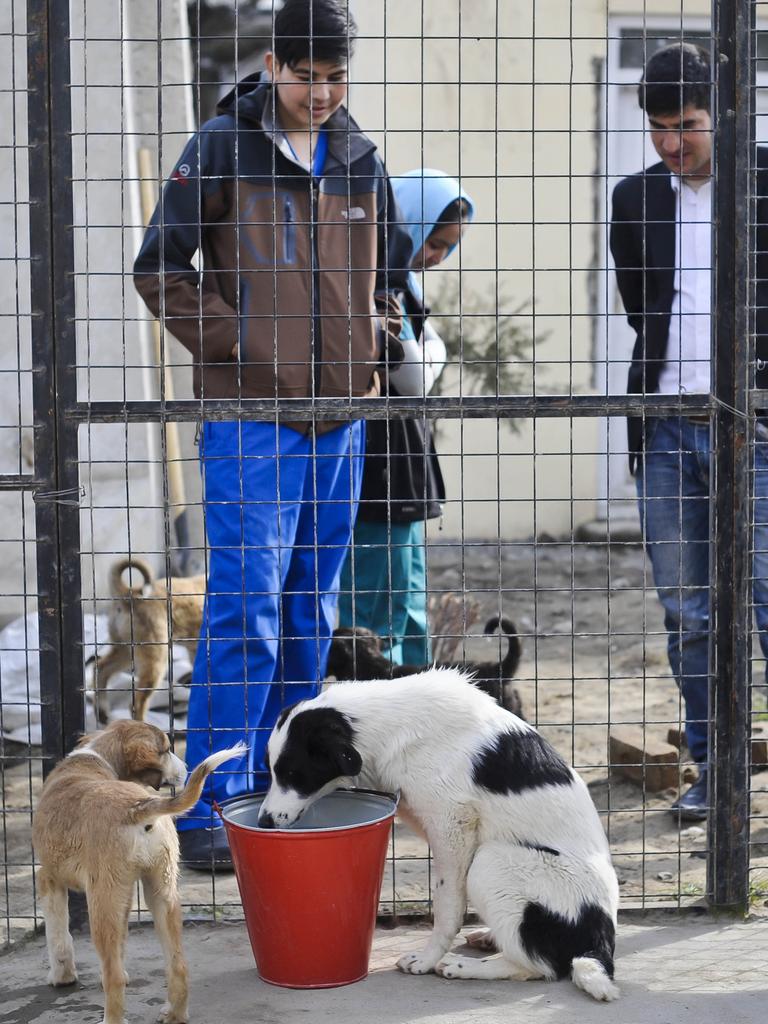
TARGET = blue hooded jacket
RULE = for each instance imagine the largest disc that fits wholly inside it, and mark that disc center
(422, 195)
(402, 481)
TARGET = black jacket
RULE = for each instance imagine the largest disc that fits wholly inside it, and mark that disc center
(642, 239)
(402, 480)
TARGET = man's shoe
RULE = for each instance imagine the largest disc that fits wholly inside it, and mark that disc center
(692, 805)
(205, 849)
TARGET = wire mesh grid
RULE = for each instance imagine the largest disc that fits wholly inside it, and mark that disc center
(531, 112)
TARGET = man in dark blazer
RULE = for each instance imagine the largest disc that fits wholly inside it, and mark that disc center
(661, 242)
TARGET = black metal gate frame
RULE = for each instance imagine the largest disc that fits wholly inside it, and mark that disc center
(58, 414)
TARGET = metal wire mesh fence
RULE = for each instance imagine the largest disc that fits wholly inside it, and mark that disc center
(281, 241)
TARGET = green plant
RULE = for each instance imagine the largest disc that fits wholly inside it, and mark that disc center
(691, 889)
(490, 347)
(758, 890)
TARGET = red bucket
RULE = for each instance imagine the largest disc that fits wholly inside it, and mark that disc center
(311, 892)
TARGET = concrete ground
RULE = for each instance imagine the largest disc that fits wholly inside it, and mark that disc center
(671, 971)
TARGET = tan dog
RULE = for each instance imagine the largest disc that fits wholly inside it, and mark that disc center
(139, 621)
(98, 830)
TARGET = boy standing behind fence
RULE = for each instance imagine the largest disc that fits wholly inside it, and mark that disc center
(661, 242)
(289, 205)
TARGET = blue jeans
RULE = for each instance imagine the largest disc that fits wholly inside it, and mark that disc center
(279, 509)
(673, 488)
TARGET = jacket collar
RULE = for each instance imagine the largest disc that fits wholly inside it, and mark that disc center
(253, 100)
(659, 196)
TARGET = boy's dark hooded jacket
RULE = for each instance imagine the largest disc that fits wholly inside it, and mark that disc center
(293, 269)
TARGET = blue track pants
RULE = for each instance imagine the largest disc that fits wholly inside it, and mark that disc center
(279, 509)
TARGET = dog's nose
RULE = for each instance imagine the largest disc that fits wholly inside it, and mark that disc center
(266, 820)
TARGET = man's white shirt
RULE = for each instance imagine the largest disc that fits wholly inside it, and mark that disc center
(687, 368)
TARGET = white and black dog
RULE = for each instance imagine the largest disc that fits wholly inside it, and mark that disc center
(510, 824)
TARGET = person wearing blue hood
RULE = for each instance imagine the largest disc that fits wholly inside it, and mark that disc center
(289, 206)
(383, 583)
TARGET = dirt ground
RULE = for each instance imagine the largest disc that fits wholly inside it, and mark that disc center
(594, 655)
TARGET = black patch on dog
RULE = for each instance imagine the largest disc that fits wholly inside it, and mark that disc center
(517, 761)
(356, 654)
(556, 940)
(285, 712)
(318, 748)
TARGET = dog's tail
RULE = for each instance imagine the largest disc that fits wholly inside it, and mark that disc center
(593, 974)
(157, 806)
(511, 661)
(118, 586)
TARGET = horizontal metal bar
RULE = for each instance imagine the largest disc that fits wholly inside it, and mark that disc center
(18, 482)
(432, 407)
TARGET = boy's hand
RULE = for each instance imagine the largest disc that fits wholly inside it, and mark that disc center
(393, 352)
(390, 323)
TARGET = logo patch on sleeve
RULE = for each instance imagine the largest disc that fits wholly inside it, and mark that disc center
(181, 174)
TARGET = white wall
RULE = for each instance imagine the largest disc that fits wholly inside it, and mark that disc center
(115, 355)
(17, 519)
(122, 92)
(528, 155)
(532, 182)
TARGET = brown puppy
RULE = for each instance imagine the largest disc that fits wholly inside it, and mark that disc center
(139, 620)
(98, 830)
(356, 654)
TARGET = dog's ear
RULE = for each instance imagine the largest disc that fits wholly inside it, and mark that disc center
(285, 712)
(327, 734)
(143, 748)
(348, 760)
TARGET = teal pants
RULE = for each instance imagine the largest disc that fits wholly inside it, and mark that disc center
(384, 588)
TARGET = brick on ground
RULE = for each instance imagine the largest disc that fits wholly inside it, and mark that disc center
(640, 756)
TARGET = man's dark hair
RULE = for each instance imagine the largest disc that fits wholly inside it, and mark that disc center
(677, 76)
(317, 29)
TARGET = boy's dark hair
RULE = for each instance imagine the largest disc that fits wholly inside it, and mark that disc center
(455, 212)
(677, 76)
(318, 29)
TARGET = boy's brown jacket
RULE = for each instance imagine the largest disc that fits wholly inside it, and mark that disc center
(294, 268)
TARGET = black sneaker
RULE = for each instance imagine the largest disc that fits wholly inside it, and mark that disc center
(205, 849)
(693, 804)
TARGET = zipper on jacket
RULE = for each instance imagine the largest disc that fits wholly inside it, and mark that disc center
(289, 232)
(318, 340)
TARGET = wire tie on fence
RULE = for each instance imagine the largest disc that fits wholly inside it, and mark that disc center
(61, 497)
(736, 412)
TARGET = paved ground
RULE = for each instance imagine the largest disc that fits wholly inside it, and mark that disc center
(679, 971)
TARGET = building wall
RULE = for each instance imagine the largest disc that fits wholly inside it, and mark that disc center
(527, 153)
(511, 99)
(123, 508)
(522, 130)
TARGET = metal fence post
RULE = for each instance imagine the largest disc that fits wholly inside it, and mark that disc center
(728, 864)
(54, 361)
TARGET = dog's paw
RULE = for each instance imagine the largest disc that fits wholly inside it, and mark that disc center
(415, 963)
(451, 966)
(171, 1016)
(62, 974)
